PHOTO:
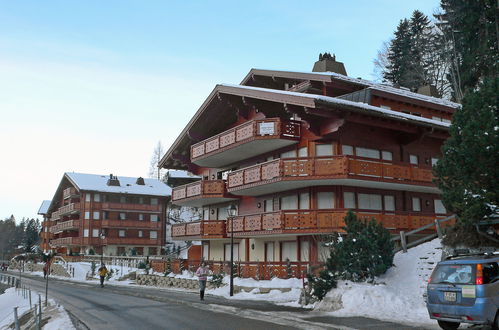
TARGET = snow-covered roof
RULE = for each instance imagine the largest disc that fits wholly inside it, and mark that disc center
(128, 185)
(367, 83)
(181, 174)
(351, 104)
(44, 207)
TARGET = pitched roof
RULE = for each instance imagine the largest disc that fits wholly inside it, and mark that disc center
(44, 207)
(128, 185)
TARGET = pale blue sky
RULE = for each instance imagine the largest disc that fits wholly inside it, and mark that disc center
(92, 86)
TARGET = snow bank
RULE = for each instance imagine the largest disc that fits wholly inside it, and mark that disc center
(397, 296)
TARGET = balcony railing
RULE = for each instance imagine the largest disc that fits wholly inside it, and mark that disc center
(323, 168)
(201, 193)
(201, 229)
(271, 134)
(46, 235)
(66, 225)
(316, 221)
(131, 224)
(131, 207)
(131, 241)
(70, 208)
(69, 192)
(65, 241)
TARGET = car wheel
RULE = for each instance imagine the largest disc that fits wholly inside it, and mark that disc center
(495, 326)
(446, 325)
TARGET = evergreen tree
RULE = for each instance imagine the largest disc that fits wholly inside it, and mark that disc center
(468, 172)
(31, 236)
(399, 53)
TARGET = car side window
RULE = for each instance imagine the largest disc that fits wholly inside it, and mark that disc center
(490, 272)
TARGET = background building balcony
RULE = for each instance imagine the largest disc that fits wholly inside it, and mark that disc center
(293, 173)
(130, 241)
(131, 207)
(199, 230)
(131, 224)
(70, 192)
(65, 241)
(250, 139)
(201, 193)
(301, 222)
(69, 209)
(46, 235)
(66, 225)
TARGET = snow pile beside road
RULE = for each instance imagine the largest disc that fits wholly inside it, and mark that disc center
(397, 296)
(60, 320)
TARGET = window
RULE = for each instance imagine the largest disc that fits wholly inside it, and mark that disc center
(370, 201)
(96, 215)
(122, 199)
(269, 205)
(325, 200)
(490, 272)
(386, 155)
(304, 250)
(269, 251)
(413, 159)
(289, 202)
(416, 204)
(141, 216)
(206, 251)
(88, 197)
(347, 150)
(304, 201)
(222, 213)
(154, 217)
(121, 233)
(324, 149)
(235, 251)
(154, 201)
(122, 216)
(303, 152)
(105, 215)
(349, 200)
(289, 154)
(141, 200)
(85, 232)
(206, 214)
(87, 215)
(439, 207)
(153, 234)
(368, 153)
(389, 203)
(96, 197)
(434, 161)
(141, 233)
(288, 251)
(95, 233)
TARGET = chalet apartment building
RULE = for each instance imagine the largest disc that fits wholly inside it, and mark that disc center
(109, 215)
(295, 151)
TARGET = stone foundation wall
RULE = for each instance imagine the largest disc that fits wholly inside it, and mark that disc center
(55, 269)
(165, 281)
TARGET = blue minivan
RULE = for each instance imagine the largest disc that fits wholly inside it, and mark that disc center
(465, 289)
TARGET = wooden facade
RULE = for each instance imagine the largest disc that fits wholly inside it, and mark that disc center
(350, 145)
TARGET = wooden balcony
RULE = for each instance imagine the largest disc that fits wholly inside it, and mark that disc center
(199, 193)
(70, 192)
(293, 173)
(124, 224)
(69, 209)
(65, 241)
(131, 241)
(302, 222)
(250, 139)
(199, 230)
(46, 235)
(132, 207)
(66, 225)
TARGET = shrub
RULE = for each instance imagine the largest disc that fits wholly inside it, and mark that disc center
(142, 265)
(217, 279)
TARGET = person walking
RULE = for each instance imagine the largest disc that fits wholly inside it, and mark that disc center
(102, 273)
(202, 273)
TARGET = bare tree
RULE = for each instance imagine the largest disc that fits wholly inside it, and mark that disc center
(154, 170)
(381, 62)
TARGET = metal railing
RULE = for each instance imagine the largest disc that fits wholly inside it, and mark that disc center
(403, 238)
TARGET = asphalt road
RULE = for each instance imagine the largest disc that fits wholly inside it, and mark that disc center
(120, 307)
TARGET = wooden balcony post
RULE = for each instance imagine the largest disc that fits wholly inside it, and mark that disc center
(403, 241)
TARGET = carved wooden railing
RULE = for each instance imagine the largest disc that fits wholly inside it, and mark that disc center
(131, 224)
(199, 228)
(66, 225)
(69, 208)
(133, 207)
(203, 188)
(132, 240)
(271, 127)
(68, 192)
(327, 167)
(65, 241)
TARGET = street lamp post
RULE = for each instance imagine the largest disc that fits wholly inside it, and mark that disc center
(231, 211)
(102, 237)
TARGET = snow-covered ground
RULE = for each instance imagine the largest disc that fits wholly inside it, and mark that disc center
(396, 296)
(11, 298)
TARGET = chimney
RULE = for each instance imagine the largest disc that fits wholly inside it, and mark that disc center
(428, 90)
(140, 181)
(113, 181)
(328, 63)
